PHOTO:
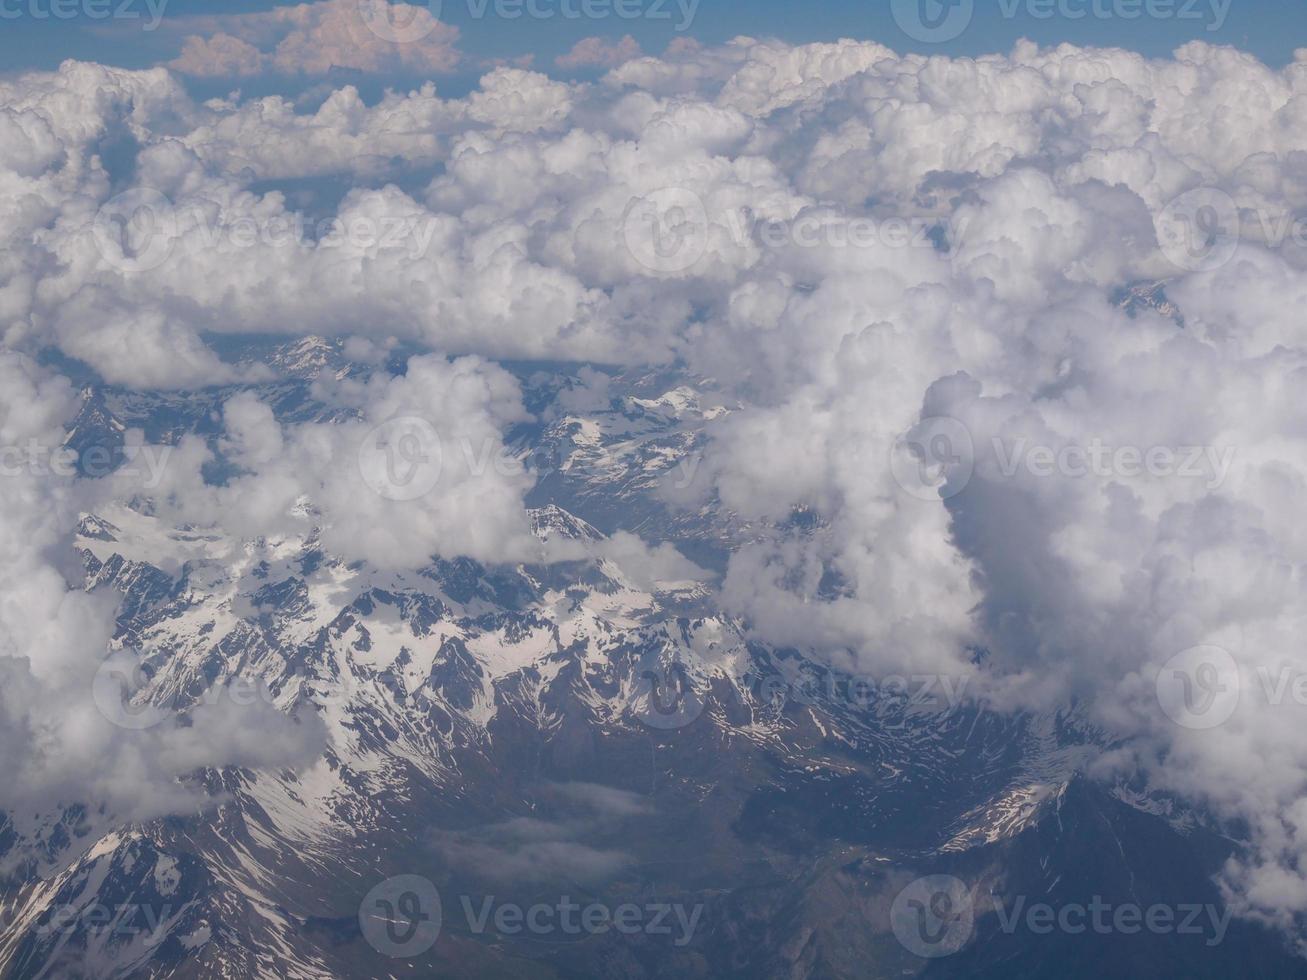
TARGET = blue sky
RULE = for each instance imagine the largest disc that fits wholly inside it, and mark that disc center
(31, 36)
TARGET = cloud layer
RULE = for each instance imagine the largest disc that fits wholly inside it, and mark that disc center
(918, 279)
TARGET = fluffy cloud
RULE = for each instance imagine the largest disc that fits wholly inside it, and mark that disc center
(417, 475)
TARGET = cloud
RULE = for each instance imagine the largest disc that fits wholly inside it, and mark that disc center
(647, 567)
(598, 52)
(140, 347)
(419, 471)
(219, 56)
(865, 251)
(566, 847)
(504, 858)
(605, 800)
(314, 38)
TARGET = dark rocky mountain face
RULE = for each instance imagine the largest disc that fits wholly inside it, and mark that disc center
(560, 770)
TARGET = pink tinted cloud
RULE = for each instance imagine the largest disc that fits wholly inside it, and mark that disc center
(313, 38)
(219, 55)
(598, 52)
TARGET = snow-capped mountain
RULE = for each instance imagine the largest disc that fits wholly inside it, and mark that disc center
(579, 731)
